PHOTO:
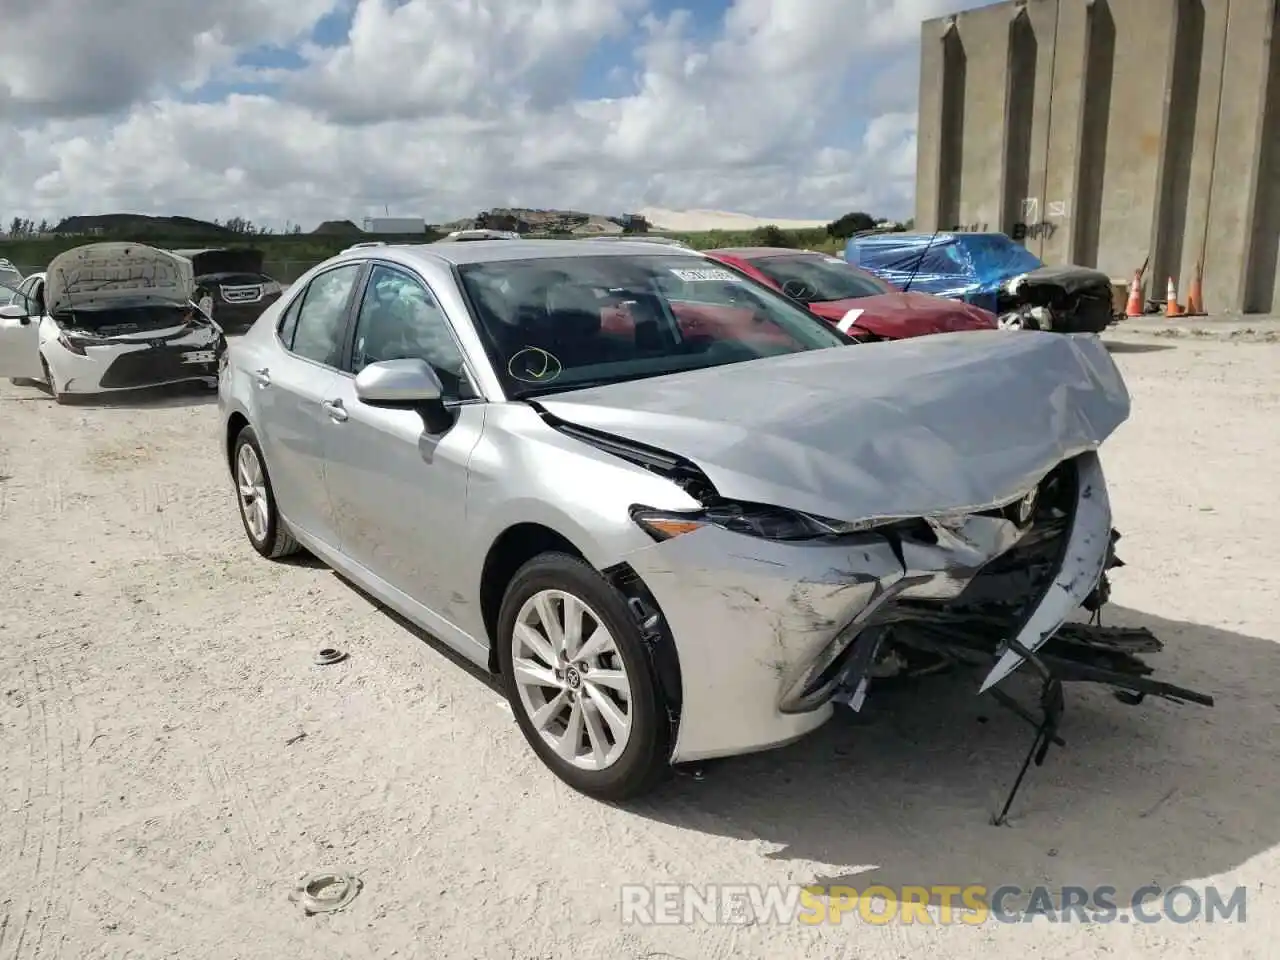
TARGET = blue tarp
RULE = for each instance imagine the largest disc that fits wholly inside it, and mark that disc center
(961, 266)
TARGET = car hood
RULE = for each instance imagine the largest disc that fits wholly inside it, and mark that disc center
(922, 427)
(1071, 279)
(207, 263)
(103, 276)
(901, 315)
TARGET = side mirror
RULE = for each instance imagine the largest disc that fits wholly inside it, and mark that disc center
(15, 311)
(407, 384)
(398, 383)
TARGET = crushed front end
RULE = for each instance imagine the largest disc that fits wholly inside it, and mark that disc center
(1059, 299)
(772, 630)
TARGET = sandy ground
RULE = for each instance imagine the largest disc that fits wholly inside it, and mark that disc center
(156, 674)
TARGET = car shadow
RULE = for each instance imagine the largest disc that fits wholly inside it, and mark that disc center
(436, 644)
(170, 395)
(1116, 346)
(903, 794)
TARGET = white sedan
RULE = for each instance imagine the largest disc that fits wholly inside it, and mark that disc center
(107, 317)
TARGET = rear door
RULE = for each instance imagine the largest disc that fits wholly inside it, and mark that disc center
(292, 389)
(398, 489)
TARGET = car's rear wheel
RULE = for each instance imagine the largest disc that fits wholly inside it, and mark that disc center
(579, 681)
(262, 524)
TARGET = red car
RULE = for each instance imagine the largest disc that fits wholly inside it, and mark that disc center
(859, 303)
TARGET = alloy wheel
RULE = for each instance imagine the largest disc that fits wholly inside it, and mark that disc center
(252, 486)
(571, 679)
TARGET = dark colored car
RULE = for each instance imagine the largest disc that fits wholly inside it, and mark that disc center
(857, 302)
(993, 271)
(233, 280)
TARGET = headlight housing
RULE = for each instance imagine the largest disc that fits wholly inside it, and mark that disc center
(749, 519)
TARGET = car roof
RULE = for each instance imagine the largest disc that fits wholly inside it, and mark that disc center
(491, 251)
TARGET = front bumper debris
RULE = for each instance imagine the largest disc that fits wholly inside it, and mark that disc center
(771, 634)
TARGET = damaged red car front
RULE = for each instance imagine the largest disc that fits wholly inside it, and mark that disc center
(858, 303)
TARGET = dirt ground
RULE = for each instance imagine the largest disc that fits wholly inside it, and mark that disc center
(172, 761)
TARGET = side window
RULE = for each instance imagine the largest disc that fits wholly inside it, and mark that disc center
(398, 319)
(33, 290)
(289, 321)
(318, 329)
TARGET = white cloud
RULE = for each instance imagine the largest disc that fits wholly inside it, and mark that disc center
(445, 107)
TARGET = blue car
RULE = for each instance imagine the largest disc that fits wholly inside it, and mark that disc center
(991, 271)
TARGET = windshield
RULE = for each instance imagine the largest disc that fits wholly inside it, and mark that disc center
(814, 278)
(564, 323)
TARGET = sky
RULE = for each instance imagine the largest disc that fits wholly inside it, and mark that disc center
(296, 111)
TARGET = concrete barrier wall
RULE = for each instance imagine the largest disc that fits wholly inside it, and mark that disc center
(1104, 132)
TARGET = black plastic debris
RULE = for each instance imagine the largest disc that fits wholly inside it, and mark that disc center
(328, 655)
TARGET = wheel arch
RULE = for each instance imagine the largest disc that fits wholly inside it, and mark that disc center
(521, 542)
(511, 549)
(235, 426)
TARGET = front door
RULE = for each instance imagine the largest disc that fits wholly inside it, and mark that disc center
(292, 390)
(399, 491)
(20, 336)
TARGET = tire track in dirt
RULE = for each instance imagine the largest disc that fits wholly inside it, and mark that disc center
(37, 770)
(47, 892)
(156, 908)
(27, 777)
(244, 835)
(51, 822)
(67, 884)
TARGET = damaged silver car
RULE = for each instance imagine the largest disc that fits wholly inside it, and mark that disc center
(674, 534)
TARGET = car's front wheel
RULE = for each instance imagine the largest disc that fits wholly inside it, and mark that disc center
(262, 524)
(52, 383)
(579, 680)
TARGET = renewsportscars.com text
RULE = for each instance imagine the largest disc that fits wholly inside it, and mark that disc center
(972, 905)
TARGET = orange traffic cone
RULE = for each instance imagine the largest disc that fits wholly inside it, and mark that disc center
(1134, 307)
(1172, 308)
(1195, 296)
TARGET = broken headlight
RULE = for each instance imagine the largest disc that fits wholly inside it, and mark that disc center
(1013, 283)
(750, 519)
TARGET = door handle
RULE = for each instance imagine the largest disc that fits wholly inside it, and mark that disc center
(335, 409)
(263, 377)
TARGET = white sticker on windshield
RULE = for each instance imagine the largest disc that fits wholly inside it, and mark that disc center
(706, 273)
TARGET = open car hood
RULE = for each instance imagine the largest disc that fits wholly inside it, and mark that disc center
(103, 276)
(922, 427)
(213, 261)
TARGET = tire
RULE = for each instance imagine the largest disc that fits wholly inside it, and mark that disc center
(642, 757)
(273, 540)
(58, 395)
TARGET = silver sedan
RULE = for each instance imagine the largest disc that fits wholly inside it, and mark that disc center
(679, 517)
